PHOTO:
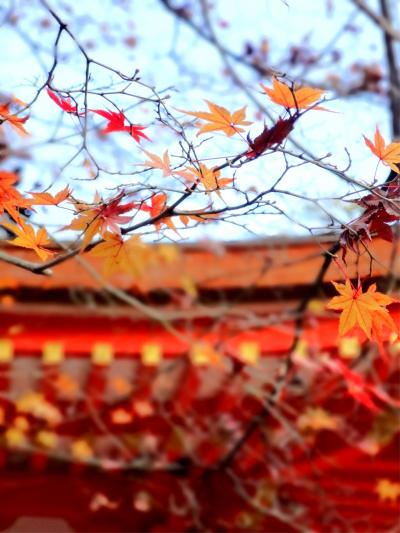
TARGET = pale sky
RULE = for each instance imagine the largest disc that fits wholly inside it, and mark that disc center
(170, 56)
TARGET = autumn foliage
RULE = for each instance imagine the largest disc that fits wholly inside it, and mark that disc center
(201, 178)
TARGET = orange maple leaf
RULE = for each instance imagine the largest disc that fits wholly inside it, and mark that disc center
(388, 154)
(198, 217)
(158, 204)
(366, 310)
(155, 161)
(220, 119)
(289, 98)
(208, 177)
(28, 238)
(45, 198)
(12, 119)
(10, 198)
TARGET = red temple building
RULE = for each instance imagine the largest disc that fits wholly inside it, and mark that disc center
(141, 403)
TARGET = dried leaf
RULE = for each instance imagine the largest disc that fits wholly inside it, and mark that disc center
(270, 137)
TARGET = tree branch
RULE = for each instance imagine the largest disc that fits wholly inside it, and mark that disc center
(383, 21)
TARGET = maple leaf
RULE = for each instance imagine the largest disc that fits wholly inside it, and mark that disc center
(208, 177)
(220, 119)
(388, 154)
(270, 137)
(366, 310)
(116, 122)
(12, 119)
(130, 255)
(10, 198)
(158, 204)
(45, 198)
(302, 98)
(104, 217)
(155, 161)
(388, 490)
(381, 208)
(28, 238)
(65, 103)
(198, 217)
(111, 214)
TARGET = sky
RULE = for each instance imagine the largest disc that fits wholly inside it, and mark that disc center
(170, 56)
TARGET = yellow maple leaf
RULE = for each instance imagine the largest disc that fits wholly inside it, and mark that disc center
(208, 177)
(388, 490)
(26, 237)
(289, 98)
(220, 119)
(366, 310)
(388, 154)
(132, 255)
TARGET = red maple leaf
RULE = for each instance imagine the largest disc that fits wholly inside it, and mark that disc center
(112, 214)
(271, 136)
(65, 103)
(382, 207)
(116, 122)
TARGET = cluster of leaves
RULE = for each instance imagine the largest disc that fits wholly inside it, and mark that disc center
(382, 206)
(104, 218)
(108, 219)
